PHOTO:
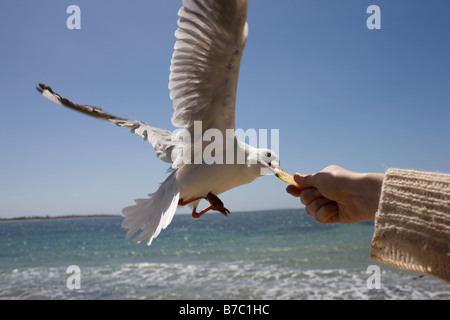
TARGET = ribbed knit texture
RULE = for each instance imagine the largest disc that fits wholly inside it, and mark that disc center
(412, 225)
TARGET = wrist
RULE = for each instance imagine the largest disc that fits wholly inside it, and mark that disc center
(370, 188)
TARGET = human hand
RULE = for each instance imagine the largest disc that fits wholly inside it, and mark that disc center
(339, 195)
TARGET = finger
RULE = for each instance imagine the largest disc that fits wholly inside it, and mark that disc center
(316, 205)
(293, 190)
(328, 213)
(308, 195)
(305, 180)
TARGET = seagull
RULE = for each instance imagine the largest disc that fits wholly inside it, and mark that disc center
(204, 71)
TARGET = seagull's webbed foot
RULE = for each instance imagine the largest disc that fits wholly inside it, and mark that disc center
(217, 204)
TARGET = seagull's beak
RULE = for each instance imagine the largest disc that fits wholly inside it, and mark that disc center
(274, 167)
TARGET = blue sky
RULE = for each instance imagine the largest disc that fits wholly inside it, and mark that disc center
(338, 92)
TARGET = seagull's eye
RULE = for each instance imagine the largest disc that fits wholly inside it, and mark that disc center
(268, 154)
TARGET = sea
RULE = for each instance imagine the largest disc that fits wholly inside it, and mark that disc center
(258, 255)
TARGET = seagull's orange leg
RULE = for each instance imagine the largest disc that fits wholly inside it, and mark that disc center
(181, 202)
(196, 214)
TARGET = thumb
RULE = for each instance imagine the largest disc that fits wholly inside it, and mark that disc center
(304, 180)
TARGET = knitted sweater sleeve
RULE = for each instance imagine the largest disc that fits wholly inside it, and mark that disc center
(412, 224)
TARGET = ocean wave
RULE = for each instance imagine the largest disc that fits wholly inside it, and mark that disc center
(226, 280)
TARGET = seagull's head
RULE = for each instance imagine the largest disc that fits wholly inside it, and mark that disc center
(269, 159)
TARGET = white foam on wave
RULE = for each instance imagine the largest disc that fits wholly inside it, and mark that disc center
(225, 280)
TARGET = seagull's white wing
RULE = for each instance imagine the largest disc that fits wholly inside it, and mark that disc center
(205, 65)
(160, 139)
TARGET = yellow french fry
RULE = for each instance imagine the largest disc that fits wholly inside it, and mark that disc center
(286, 177)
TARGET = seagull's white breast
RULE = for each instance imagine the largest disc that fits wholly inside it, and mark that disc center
(198, 180)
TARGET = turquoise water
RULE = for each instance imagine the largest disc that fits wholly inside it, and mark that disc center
(281, 254)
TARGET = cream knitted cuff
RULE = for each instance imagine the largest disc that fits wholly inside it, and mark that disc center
(412, 225)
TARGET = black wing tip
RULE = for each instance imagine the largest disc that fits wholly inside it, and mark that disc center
(40, 88)
(43, 87)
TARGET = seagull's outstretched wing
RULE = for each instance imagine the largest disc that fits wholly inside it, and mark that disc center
(205, 65)
(160, 139)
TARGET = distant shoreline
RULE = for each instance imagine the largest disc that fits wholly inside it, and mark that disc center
(95, 216)
(73, 217)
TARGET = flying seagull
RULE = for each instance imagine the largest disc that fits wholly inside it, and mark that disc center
(211, 38)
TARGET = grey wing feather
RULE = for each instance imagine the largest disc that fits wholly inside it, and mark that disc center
(205, 64)
(161, 140)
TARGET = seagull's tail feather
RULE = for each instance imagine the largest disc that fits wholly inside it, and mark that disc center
(153, 214)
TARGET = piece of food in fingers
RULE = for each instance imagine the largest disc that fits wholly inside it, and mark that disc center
(286, 177)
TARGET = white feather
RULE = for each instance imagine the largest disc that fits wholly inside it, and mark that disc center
(153, 214)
